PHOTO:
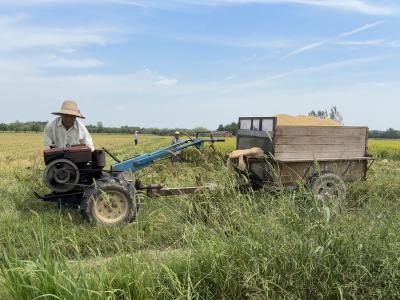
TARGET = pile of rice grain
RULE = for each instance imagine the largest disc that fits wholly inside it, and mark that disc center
(286, 120)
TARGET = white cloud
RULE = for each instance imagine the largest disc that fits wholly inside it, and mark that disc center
(68, 63)
(377, 42)
(334, 40)
(381, 84)
(7, 20)
(235, 41)
(383, 43)
(393, 44)
(360, 29)
(67, 50)
(32, 49)
(358, 6)
(17, 34)
(304, 49)
(308, 70)
(167, 81)
(24, 74)
(11, 67)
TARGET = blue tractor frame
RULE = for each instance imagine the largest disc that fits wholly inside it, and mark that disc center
(145, 160)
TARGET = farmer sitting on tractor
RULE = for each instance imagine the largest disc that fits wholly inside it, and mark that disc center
(66, 130)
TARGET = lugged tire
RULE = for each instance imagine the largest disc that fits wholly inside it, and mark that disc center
(327, 187)
(110, 201)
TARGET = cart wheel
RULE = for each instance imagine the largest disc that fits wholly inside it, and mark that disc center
(110, 201)
(328, 187)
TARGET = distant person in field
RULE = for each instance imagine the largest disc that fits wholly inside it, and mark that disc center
(176, 138)
(136, 137)
(66, 130)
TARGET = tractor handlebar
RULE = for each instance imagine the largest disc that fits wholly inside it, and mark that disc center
(145, 160)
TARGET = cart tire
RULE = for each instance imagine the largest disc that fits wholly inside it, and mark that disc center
(110, 201)
(327, 188)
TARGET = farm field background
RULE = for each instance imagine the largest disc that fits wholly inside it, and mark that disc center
(222, 244)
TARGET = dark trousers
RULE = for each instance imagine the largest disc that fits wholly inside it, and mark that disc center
(136, 142)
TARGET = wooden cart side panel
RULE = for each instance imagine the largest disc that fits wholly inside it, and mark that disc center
(321, 130)
(350, 171)
(319, 142)
(311, 148)
(324, 155)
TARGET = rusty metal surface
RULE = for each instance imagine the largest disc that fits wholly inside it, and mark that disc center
(73, 148)
(76, 154)
(156, 190)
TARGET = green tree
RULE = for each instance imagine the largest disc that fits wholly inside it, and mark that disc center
(323, 114)
(36, 127)
(335, 115)
(232, 127)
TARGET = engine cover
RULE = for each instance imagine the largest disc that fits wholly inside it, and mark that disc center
(76, 154)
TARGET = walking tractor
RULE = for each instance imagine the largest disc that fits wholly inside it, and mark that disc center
(76, 176)
(270, 156)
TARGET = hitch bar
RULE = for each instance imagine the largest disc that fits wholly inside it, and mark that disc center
(157, 190)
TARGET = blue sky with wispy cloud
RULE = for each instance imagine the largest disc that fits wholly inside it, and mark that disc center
(187, 63)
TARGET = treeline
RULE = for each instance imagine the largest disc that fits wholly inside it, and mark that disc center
(388, 134)
(23, 126)
(141, 130)
(232, 127)
(34, 126)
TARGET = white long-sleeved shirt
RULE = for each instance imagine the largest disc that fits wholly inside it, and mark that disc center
(55, 135)
(175, 140)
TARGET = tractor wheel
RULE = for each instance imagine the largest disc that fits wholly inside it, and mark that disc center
(110, 201)
(328, 187)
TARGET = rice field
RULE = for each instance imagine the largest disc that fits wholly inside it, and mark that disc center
(219, 245)
(385, 149)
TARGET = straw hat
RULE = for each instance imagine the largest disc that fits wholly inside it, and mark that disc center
(69, 107)
(176, 133)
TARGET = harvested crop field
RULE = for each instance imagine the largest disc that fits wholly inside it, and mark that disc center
(218, 245)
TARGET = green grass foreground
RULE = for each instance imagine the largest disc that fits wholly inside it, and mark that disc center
(218, 245)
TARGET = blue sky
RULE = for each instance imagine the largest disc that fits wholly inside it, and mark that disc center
(187, 63)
